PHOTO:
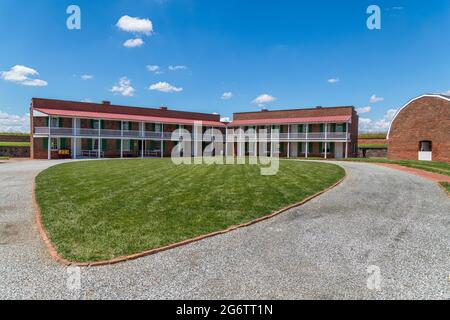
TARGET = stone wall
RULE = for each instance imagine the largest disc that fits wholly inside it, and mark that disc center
(15, 152)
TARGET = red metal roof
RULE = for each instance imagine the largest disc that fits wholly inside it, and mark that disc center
(323, 119)
(126, 117)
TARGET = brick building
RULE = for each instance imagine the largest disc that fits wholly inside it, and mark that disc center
(67, 129)
(315, 132)
(421, 130)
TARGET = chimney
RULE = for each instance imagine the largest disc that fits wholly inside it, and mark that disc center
(163, 108)
(319, 107)
(105, 102)
(264, 109)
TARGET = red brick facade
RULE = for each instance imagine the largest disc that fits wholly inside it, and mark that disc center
(426, 118)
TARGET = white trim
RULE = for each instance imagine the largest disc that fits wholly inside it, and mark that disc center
(411, 101)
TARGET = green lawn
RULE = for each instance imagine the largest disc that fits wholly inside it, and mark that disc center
(17, 134)
(432, 166)
(446, 185)
(14, 144)
(380, 135)
(104, 209)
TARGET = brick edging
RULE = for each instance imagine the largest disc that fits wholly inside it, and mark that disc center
(55, 256)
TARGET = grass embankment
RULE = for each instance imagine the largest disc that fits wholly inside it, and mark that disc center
(104, 209)
(14, 144)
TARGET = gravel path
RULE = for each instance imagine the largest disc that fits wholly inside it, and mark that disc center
(397, 222)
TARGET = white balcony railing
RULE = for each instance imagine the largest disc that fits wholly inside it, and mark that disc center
(134, 134)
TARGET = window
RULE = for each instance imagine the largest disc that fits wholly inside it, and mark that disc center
(55, 122)
(157, 127)
(426, 146)
(126, 125)
(96, 124)
(54, 144)
(126, 145)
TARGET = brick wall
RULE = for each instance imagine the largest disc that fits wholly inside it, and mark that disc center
(427, 118)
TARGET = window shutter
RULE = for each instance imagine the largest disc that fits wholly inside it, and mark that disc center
(322, 127)
(332, 147)
(300, 128)
(300, 147)
(104, 144)
(45, 143)
(62, 143)
(60, 122)
(102, 124)
(89, 144)
(118, 144)
(321, 147)
(310, 147)
(47, 121)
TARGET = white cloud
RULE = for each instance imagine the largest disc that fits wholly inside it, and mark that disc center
(263, 99)
(133, 43)
(22, 75)
(87, 77)
(123, 87)
(364, 110)
(225, 119)
(381, 125)
(135, 25)
(177, 68)
(154, 68)
(333, 80)
(164, 87)
(375, 99)
(227, 95)
(14, 123)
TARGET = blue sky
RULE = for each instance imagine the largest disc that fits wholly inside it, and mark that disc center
(291, 54)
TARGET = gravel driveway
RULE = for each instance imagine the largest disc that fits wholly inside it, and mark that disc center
(378, 218)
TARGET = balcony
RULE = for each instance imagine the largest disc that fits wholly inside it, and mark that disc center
(151, 135)
(291, 137)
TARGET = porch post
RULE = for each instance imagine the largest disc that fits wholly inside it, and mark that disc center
(226, 141)
(49, 147)
(99, 149)
(307, 142)
(141, 124)
(346, 140)
(162, 140)
(289, 142)
(326, 143)
(121, 148)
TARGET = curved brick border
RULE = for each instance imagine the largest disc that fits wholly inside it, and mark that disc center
(54, 254)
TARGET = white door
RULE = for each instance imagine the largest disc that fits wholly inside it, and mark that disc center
(425, 156)
(338, 150)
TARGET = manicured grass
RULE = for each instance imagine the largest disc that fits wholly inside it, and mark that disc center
(372, 145)
(99, 210)
(14, 144)
(380, 135)
(17, 134)
(431, 166)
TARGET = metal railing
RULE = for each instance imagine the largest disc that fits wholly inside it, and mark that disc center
(175, 136)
